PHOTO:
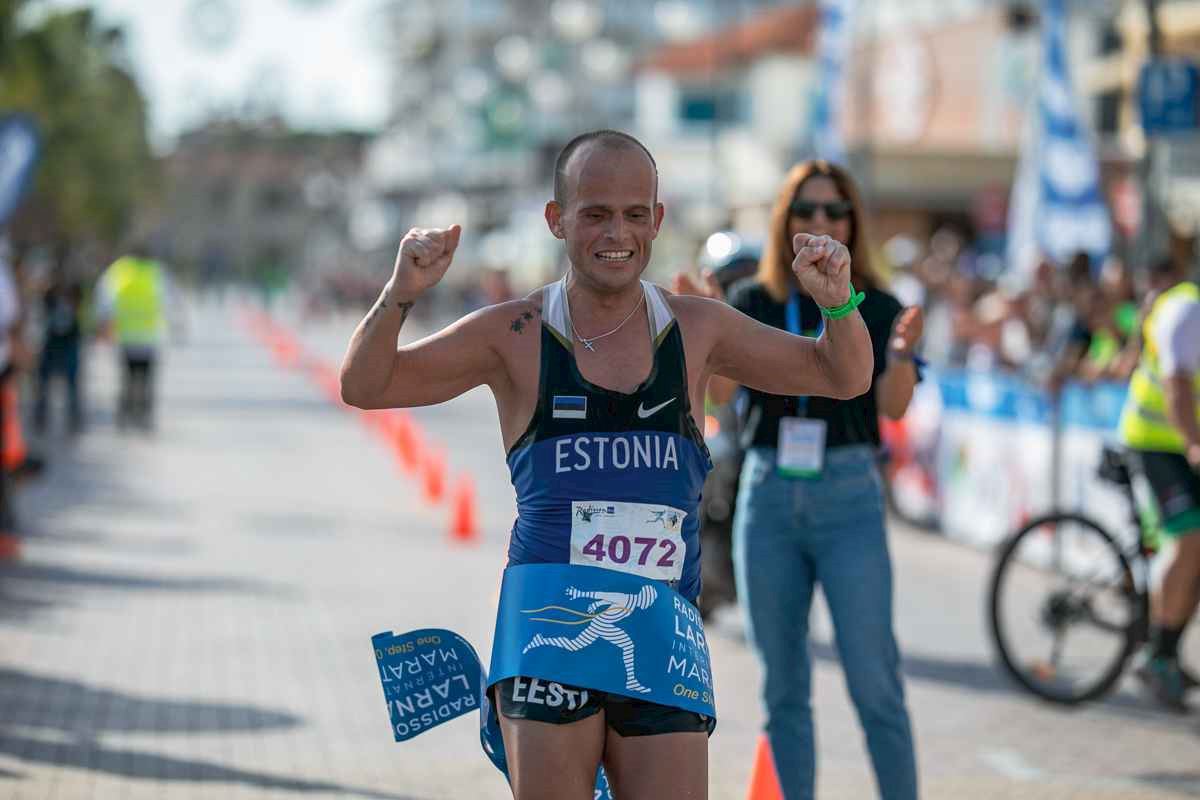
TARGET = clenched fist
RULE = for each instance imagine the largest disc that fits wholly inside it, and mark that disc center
(822, 265)
(425, 255)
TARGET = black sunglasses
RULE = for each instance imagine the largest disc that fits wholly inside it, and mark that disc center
(805, 209)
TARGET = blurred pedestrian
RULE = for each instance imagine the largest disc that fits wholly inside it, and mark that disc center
(810, 509)
(61, 338)
(131, 307)
(1077, 313)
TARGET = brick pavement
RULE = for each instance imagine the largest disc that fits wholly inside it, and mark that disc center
(193, 611)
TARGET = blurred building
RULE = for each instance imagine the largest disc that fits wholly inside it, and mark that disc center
(935, 97)
(935, 113)
(726, 112)
(485, 94)
(934, 110)
(1123, 48)
(258, 202)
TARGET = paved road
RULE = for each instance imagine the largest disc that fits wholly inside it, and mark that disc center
(192, 617)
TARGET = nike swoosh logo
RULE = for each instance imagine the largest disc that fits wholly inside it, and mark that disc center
(644, 412)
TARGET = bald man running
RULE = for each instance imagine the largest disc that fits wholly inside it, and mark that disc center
(599, 381)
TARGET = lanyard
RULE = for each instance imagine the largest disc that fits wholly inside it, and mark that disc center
(793, 326)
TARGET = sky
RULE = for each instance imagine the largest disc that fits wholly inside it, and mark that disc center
(316, 56)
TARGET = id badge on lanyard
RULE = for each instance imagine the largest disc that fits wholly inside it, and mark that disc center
(801, 449)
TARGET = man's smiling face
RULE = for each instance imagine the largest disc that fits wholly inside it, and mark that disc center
(610, 215)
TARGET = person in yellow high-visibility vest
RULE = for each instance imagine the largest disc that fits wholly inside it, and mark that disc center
(1160, 424)
(131, 300)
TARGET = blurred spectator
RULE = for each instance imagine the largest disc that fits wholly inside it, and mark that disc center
(810, 506)
(903, 252)
(1103, 317)
(997, 337)
(9, 355)
(131, 305)
(61, 337)
(495, 287)
(1112, 318)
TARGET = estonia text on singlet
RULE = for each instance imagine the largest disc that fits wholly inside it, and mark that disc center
(605, 478)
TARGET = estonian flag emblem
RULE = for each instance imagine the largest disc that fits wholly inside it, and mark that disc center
(570, 406)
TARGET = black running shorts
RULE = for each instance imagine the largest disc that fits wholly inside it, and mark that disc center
(559, 703)
(1176, 488)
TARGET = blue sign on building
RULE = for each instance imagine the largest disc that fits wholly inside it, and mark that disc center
(1167, 96)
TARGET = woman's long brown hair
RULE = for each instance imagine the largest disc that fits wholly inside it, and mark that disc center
(775, 266)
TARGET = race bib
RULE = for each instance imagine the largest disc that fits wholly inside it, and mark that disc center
(801, 452)
(637, 538)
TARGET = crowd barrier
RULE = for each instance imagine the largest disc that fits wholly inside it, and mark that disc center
(979, 453)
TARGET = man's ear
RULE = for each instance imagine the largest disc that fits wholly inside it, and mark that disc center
(554, 219)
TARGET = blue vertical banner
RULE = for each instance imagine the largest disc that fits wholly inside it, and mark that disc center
(833, 50)
(1058, 206)
(19, 148)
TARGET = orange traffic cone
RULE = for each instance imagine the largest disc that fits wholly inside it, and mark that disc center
(285, 349)
(464, 525)
(764, 783)
(433, 468)
(329, 380)
(10, 547)
(14, 441)
(379, 421)
(406, 441)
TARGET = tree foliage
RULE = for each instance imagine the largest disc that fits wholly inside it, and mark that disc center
(68, 72)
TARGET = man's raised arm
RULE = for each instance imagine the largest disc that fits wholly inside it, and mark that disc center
(839, 364)
(377, 374)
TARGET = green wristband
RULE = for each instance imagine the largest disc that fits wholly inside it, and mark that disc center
(840, 311)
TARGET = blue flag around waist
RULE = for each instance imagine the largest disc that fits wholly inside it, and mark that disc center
(602, 630)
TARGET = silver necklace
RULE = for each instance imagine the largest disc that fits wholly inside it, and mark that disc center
(588, 342)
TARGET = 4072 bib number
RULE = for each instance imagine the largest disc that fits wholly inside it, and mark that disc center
(619, 550)
(638, 538)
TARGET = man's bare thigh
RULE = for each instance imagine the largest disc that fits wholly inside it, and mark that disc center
(553, 762)
(671, 765)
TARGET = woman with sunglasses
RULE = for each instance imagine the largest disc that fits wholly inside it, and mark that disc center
(810, 507)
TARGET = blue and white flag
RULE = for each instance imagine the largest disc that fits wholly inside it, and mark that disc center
(431, 676)
(18, 155)
(833, 50)
(1057, 206)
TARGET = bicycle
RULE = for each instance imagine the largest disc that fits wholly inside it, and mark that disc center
(1066, 573)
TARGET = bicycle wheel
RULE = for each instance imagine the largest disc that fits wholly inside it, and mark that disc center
(1064, 608)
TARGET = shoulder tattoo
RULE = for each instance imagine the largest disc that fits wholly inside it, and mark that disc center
(522, 321)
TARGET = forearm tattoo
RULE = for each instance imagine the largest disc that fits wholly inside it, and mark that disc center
(518, 325)
(382, 304)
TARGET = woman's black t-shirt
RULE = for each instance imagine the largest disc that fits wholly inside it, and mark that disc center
(853, 421)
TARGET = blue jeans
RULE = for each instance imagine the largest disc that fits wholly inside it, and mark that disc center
(788, 535)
